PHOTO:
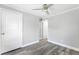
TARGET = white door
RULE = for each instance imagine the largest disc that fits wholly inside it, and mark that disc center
(45, 28)
(11, 30)
(0, 31)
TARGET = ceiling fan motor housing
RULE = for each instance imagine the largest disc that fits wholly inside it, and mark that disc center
(45, 7)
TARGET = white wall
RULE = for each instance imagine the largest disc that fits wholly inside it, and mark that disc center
(64, 28)
(31, 25)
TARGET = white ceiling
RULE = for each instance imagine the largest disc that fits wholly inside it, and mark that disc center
(56, 8)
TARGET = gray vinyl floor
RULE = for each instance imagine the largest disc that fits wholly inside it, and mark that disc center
(42, 49)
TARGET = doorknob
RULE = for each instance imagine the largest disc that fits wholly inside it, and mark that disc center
(2, 33)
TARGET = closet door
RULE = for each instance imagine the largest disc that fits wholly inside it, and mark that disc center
(0, 31)
(11, 30)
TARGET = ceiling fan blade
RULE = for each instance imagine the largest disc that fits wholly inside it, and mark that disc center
(37, 9)
(49, 5)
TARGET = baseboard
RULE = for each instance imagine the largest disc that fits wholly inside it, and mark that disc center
(70, 47)
(30, 43)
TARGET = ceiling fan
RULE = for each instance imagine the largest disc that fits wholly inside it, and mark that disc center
(44, 8)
